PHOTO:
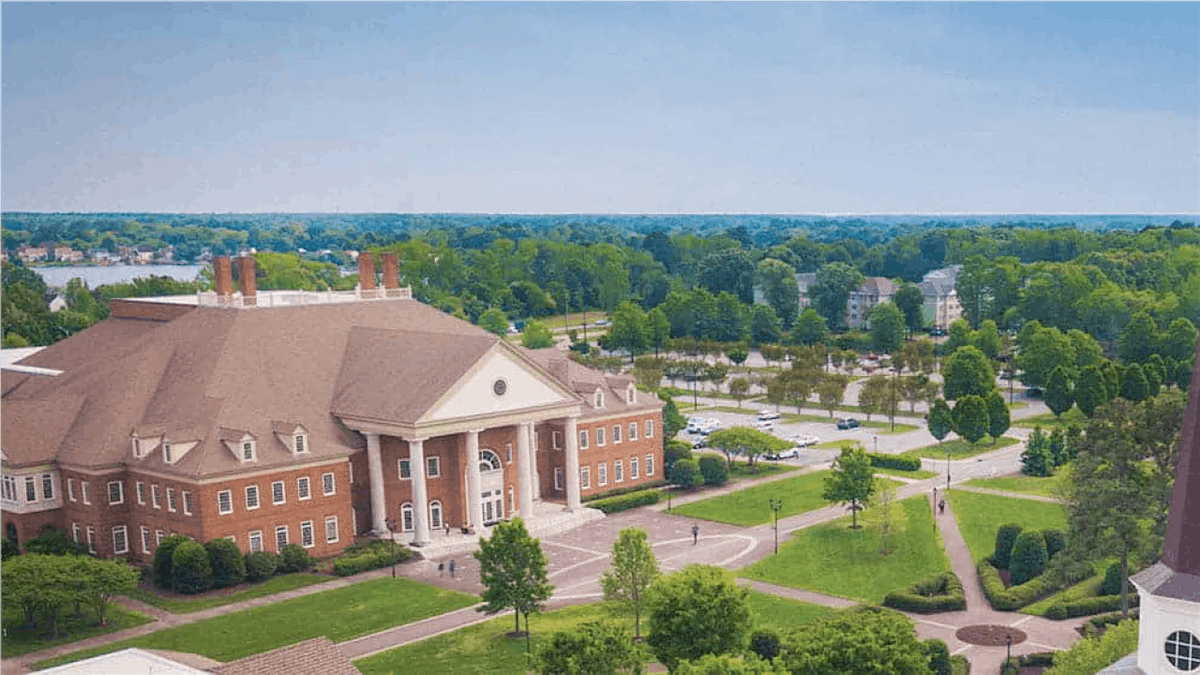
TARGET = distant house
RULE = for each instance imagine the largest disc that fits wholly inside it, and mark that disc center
(942, 306)
(941, 300)
(32, 253)
(143, 254)
(67, 254)
(872, 292)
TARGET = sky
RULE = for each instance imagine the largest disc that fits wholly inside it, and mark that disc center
(661, 107)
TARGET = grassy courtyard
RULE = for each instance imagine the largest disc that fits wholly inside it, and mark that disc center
(175, 605)
(483, 649)
(18, 640)
(1048, 421)
(919, 474)
(831, 558)
(979, 516)
(752, 506)
(339, 615)
(1031, 485)
(961, 449)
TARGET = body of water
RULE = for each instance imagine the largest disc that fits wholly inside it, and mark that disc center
(95, 275)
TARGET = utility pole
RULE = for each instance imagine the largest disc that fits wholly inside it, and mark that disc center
(776, 505)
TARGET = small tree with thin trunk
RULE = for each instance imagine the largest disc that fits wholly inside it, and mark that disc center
(941, 420)
(738, 388)
(745, 441)
(1058, 395)
(512, 568)
(634, 568)
(851, 480)
(971, 418)
(831, 390)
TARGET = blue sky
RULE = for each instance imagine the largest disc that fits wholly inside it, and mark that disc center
(601, 107)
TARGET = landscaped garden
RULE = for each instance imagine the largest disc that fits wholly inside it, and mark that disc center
(979, 516)
(339, 615)
(832, 558)
(752, 506)
(962, 449)
(183, 605)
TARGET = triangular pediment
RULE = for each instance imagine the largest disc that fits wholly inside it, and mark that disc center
(524, 387)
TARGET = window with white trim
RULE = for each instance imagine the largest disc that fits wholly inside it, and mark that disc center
(650, 465)
(256, 541)
(633, 468)
(556, 440)
(187, 503)
(281, 537)
(70, 490)
(1183, 650)
(633, 431)
(433, 467)
(435, 515)
(618, 472)
(156, 496)
(508, 453)
(350, 468)
(137, 447)
(141, 492)
(300, 442)
(145, 539)
(331, 529)
(630, 394)
(599, 436)
(91, 535)
(116, 492)
(302, 488)
(405, 468)
(120, 539)
(406, 517)
(598, 399)
(172, 504)
(306, 534)
(75, 532)
(247, 451)
(47, 486)
(225, 502)
(158, 537)
(86, 486)
(585, 477)
(649, 429)
(328, 484)
(252, 501)
(10, 488)
(278, 496)
(583, 439)
(512, 500)
(558, 478)
(616, 434)
(167, 456)
(602, 474)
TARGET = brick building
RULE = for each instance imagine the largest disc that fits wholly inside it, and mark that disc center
(284, 416)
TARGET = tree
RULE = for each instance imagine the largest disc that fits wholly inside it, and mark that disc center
(1058, 395)
(764, 325)
(780, 289)
(1091, 391)
(225, 559)
(745, 441)
(696, 611)
(998, 417)
(731, 320)
(1179, 342)
(164, 559)
(971, 418)
(191, 571)
(810, 328)
(831, 290)
(512, 568)
(729, 271)
(887, 327)
(103, 579)
(861, 640)
(911, 302)
(1041, 352)
(1028, 557)
(648, 371)
(628, 331)
(634, 569)
(987, 339)
(968, 372)
(494, 321)
(41, 585)
(1134, 386)
(1006, 538)
(714, 471)
(592, 648)
(536, 336)
(686, 473)
(1157, 425)
(1037, 460)
(738, 388)
(1138, 340)
(729, 664)
(941, 420)
(831, 390)
(960, 336)
(658, 329)
(887, 515)
(851, 480)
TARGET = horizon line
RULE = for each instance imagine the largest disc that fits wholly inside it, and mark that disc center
(617, 213)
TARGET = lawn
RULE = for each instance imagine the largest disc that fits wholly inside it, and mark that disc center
(831, 558)
(752, 505)
(1048, 421)
(340, 614)
(17, 640)
(979, 516)
(761, 468)
(1032, 485)
(919, 474)
(484, 649)
(287, 582)
(961, 449)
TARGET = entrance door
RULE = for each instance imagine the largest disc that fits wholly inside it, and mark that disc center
(491, 475)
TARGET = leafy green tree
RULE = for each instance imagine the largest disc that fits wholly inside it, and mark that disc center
(941, 420)
(1138, 340)
(512, 569)
(1091, 391)
(1094, 654)
(101, 581)
(634, 569)
(658, 329)
(887, 327)
(1037, 459)
(851, 480)
(987, 339)
(939, 656)
(714, 470)
(1041, 352)
(729, 271)
(164, 559)
(1156, 430)
(41, 585)
(1153, 378)
(648, 371)
(1028, 557)
(832, 390)
(1112, 379)
(810, 328)
(831, 291)
(1179, 342)
(225, 559)
(745, 441)
(1087, 351)
(1059, 397)
(959, 337)
(911, 302)
(592, 648)
(971, 418)
(628, 330)
(696, 611)
(55, 541)
(764, 325)
(998, 417)
(536, 336)
(1134, 386)
(765, 643)
(861, 640)
(686, 473)
(780, 289)
(673, 422)
(729, 664)
(494, 321)
(968, 372)
(1006, 538)
(738, 388)
(191, 571)
(731, 321)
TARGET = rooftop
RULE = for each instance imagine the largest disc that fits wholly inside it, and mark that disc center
(279, 298)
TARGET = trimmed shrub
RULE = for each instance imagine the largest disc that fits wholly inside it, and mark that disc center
(1011, 599)
(1088, 606)
(904, 462)
(164, 559)
(942, 592)
(959, 665)
(228, 565)
(686, 473)
(714, 470)
(1028, 557)
(53, 541)
(368, 556)
(9, 548)
(1098, 624)
(190, 569)
(1006, 536)
(1112, 580)
(673, 451)
(1055, 542)
(629, 501)
(939, 656)
(261, 565)
(765, 643)
(623, 491)
(294, 558)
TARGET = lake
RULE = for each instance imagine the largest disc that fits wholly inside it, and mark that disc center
(95, 275)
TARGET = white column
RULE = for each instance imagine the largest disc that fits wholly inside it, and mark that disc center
(474, 487)
(416, 456)
(571, 451)
(534, 476)
(378, 499)
(524, 471)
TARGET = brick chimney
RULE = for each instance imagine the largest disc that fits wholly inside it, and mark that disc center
(391, 271)
(366, 271)
(246, 274)
(223, 276)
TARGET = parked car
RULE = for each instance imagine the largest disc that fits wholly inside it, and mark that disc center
(805, 440)
(709, 427)
(847, 423)
(699, 443)
(786, 454)
(602, 322)
(762, 425)
(767, 415)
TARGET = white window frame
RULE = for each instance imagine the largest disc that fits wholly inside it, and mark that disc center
(508, 453)
(331, 520)
(401, 465)
(158, 537)
(649, 429)
(86, 489)
(600, 439)
(166, 448)
(187, 503)
(303, 488)
(616, 434)
(124, 547)
(145, 531)
(228, 494)
(249, 445)
(512, 500)
(558, 478)
(10, 488)
(602, 474)
(633, 431)
(300, 442)
(281, 529)
(91, 539)
(120, 492)
(328, 484)
(618, 471)
(435, 515)
(585, 477)
(75, 532)
(598, 399)
(282, 498)
(172, 503)
(434, 463)
(141, 492)
(47, 482)
(256, 541)
(633, 468)
(70, 488)
(556, 440)
(253, 489)
(307, 527)
(650, 464)
(408, 518)
(350, 468)
(630, 394)
(156, 496)
(583, 439)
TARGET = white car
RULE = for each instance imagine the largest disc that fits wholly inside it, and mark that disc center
(767, 416)
(762, 425)
(805, 441)
(709, 427)
(786, 454)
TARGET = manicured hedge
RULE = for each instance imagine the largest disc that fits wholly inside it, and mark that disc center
(629, 501)
(261, 565)
(904, 462)
(1006, 537)
(1011, 599)
(1088, 606)
(624, 491)
(369, 556)
(1098, 623)
(1035, 660)
(293, 558)
(941, 592)
(191, 572)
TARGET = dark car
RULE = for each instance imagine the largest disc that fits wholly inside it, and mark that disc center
(847, 423)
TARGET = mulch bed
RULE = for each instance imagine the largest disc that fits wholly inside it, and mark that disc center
(990, 635)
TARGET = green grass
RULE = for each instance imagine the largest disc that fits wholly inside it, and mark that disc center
(287, 582)
(979, 516)
(831, 558)
(339, 615)
(919, 474)
(18, 641)
(1017, 405)
(484, 649)
(1031, 485)
(1088, 588)
(960, 449)
(751, 506)
(1048, 421)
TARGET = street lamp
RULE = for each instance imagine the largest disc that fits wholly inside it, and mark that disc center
(947, 468)
(877, 444)
(776, 505)
(391, 526)
(1008, 659)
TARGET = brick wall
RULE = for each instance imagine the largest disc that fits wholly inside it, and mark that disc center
(610, 453)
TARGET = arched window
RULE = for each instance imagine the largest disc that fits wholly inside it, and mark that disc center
(406, 517)
(488, 461)
(435, 515)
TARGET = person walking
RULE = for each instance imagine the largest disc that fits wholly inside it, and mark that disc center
(453, 568)
(695, 534)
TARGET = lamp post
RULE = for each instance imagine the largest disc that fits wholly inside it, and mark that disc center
(668, 499)
(947, 468)
(876, 444)
(776, 505)
(935, 496)
(1008, 659)
(391, 526)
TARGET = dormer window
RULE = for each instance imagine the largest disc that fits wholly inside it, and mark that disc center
(247, 451)
(167, 451)
(598, 399)
(300, 442)
(137, 447)
(630, 394)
